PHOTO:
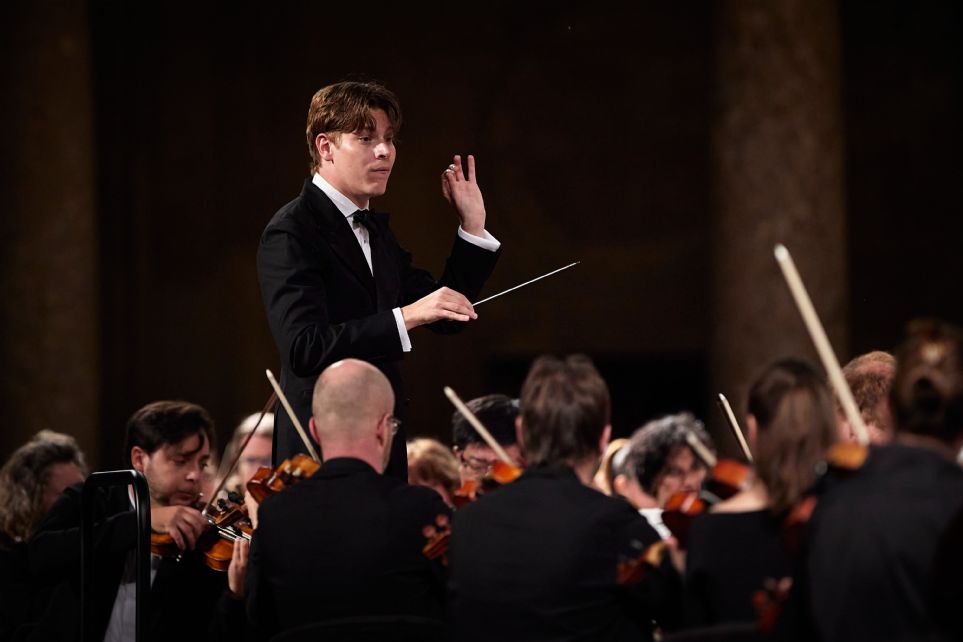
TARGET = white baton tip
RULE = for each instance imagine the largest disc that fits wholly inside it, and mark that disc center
(781, 252)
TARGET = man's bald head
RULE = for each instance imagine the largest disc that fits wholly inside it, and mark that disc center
(350, 398)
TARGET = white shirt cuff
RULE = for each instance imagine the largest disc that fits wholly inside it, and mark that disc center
(486, 242)
(402, 331)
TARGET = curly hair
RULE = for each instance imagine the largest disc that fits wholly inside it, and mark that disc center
(24, 478)
(651, 446)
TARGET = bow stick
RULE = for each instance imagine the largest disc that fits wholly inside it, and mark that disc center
(700, 450)
(240, 451)
(293, 417)
(478, 426)
(731, 419)
(818, 335)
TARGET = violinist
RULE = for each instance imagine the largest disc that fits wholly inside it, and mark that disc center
(170, 443)
(658, 462)
(346, 541)
(30, 482)
(873, 536)
(738, 548)
(538, 559)
(476, 458)
(257, 453)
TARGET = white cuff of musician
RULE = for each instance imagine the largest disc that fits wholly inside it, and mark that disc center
(486, 242)
(402, 331)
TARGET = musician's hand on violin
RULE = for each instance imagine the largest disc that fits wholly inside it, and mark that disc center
(183, 523)
(442, 304)
(237, 571)
(251, 504)
(463, 192)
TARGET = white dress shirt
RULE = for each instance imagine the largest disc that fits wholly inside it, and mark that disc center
(348, 208)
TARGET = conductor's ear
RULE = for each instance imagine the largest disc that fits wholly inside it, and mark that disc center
(325, 145)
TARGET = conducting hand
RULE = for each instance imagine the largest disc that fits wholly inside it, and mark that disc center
(463, 192)
(442, 304)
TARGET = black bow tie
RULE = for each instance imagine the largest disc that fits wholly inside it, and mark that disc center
(364, 217)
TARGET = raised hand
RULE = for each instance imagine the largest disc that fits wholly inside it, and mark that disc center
(183, 523)
(442, 304)
(465, 195)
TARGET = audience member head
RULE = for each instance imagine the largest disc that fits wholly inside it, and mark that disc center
(170, 442)
(791, 425)
(565, 410)
(431, 464)
(256, 454)
(475, 457)
(927, 391)
(662, 461)
(869, 377)
(351, 409)
(32, 479)
(605, 475)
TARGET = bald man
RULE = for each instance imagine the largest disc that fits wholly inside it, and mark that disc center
(347, 541)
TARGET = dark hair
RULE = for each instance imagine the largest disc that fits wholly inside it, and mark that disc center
(927, 391)
(565, 407)
(496, 412)
(24, 478)
(166, 422)
(346, 107)
(651, 446)
(796, 426)
(869, 377)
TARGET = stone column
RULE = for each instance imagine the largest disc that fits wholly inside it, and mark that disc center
(49, 353)
(777, 178)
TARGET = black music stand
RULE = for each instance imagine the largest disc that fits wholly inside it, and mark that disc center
(142, 505)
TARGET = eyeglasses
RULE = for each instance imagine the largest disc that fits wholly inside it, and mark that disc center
(477, 465)
(395, 424)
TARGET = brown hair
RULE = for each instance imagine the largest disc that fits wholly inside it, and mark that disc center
(652, 445)
(166, 422)
(565, 407)
(794, 412)
(24, 478)
(346, 107)
(869, 377)
(430, 461)
(927, 392)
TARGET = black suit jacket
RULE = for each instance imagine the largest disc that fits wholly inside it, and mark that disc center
(345, 542)
(537, 560)
(188, 601)
(323, 304)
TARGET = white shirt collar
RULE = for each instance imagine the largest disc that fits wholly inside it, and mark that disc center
(342, 202)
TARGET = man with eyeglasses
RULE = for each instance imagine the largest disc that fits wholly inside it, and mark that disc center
(498, 414)
(347, 541)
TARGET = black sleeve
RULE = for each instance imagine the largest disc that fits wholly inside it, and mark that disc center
(291, 275)
(466, 270)
(54, 551)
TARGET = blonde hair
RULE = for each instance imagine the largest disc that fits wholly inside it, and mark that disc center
(429, 460)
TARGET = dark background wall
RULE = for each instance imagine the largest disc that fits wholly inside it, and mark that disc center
(592, 127)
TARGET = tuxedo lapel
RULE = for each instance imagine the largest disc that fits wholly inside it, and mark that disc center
(386, 277)
(336, 230)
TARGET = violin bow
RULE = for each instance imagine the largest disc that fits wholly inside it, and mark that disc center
(818, 335)
(731, 419)
(700, 449)
(293, 417)
(478, 426)
(240, 451)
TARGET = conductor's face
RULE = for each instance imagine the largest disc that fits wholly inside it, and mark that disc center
(359, 163)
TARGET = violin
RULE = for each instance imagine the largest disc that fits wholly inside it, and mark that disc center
(633, 569)
(229, 519)
(500, 474)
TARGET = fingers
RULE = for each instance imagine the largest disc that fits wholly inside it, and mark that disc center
(237, 570)
(456, 303)
(471, 169)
